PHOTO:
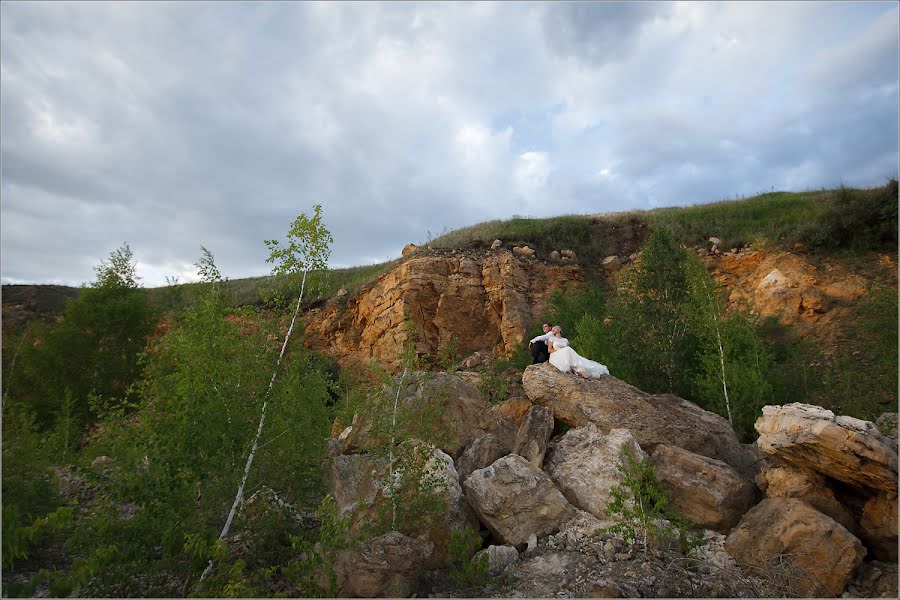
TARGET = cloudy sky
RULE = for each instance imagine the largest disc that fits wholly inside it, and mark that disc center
(174, 125)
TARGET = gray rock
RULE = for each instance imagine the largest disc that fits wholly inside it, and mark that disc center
(611, 263)
(481, 453)
(610, 403)
(840, 447)
(534, 435)
(499, 558)
(821, 552)
(707, 492)
(584, 464)
(515, 500)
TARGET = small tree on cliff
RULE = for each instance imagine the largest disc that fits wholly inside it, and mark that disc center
(307, 249)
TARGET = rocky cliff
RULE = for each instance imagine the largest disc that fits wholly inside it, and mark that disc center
(484, 300)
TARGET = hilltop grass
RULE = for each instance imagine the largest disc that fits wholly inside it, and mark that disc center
(774, 218)
(569, 230)
(249, 290)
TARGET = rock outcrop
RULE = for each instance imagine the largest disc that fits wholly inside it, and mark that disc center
(515, 500)
(707, 492)
(843, 448)
(585, 465)
(387, 566)
(610, 403)
(787, 533)
(485, 301)
(498, 557)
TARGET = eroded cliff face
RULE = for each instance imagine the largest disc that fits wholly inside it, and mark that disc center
(812, 299)
(485, 300)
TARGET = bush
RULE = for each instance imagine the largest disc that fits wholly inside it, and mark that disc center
(639, 507)
(857, 219)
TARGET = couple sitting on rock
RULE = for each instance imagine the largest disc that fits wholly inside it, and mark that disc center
(552, 347)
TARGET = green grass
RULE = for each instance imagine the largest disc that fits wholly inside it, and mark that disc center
(772, 218)
(248, 291)
(570, 230)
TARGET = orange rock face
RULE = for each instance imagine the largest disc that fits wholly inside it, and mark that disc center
(475, 300)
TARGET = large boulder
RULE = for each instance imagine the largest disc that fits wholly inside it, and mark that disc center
(479, 454)
(387, 566)
(354, 480)
(456, 407)
(515, 500)
(534, 435)
(707, 492)
(879, 526)
(783, 481)
(843, 448)
(787, 533)
(585, 465)
(610, 403)
(359, 485)
(498, 558)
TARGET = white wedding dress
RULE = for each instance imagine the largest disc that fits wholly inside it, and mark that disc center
(567, 360)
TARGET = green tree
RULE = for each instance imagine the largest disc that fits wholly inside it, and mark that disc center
(94, 350)
(649, 321)
(732, 362)
(640, 510)
(308, 248)
(175, 457)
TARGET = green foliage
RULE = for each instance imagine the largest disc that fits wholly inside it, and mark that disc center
(666, 331)
(639, 507)
(464, 569)
(651, 342)
(566, 307)
(176, 456)
(494, 387)
(93, 350)
(856, 219)
(31, 504)
(863, 383)
(732, 363)
(305, 252)
(313, 572)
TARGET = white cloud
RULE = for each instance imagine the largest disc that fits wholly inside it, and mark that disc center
(176, 125)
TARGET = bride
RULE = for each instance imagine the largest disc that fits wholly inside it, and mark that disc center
(565, 359)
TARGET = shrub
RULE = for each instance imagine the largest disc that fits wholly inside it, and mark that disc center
(639, 507)
(857, 219)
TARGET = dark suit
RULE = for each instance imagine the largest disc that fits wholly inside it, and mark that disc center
(539, 352)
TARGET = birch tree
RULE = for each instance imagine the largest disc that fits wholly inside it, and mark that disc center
(306, 249)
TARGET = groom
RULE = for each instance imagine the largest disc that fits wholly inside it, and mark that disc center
(538, 345)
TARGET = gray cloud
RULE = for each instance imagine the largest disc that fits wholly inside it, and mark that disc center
(181, 124)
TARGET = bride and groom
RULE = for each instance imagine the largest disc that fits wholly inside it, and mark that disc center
(552, 347)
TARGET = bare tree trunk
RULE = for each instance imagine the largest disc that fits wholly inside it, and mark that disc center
(238, 497)
(715, 309)
(391, 456)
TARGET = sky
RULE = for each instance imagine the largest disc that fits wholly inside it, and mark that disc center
(174, 125)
